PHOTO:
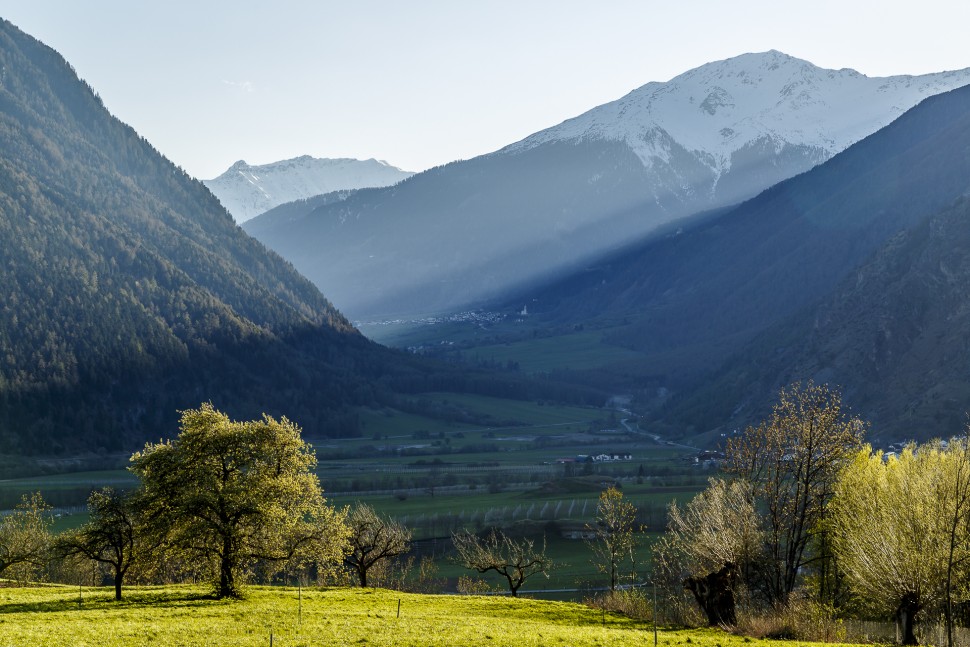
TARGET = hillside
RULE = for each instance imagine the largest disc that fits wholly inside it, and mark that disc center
(893, 334)
(475, 229)
(710, 287)
(131, 294)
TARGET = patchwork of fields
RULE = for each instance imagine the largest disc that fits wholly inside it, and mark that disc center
(499, 463)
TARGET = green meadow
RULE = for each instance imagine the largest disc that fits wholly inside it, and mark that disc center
(185, 617)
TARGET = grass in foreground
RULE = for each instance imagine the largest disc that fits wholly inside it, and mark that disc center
(183, 616)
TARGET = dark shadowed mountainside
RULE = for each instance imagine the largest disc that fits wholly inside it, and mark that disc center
(894, 335)
(129, 293)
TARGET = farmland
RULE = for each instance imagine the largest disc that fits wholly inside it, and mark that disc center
(493, 463)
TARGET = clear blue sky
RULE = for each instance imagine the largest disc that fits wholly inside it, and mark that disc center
(423, 83)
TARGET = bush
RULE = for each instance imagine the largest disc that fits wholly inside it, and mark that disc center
(472, 585)
(801, 620)
(632, 603)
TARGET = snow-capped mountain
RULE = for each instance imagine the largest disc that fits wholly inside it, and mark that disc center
(247, 191)
(472, 230)
(721, 110)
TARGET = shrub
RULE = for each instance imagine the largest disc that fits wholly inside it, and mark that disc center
(468, 585)
(802, 619)
(632, 603)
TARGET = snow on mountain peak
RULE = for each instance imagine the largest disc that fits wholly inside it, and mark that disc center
(247, 191)
(720, 107)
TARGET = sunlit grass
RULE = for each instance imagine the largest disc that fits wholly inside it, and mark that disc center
(185, 616)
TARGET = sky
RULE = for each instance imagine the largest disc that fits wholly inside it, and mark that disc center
(426, 82)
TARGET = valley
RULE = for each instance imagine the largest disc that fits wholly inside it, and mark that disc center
(685, 358)
(526, 472)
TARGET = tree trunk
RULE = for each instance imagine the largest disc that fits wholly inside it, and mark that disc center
(513, 584)
(227, 584)
(714, 594)
(118, 587)
(362, 574)
(906, 613)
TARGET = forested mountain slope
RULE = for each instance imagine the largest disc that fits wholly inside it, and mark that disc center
(893, 335)
(128, 292)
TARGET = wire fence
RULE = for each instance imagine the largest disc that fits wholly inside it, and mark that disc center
(928, 633)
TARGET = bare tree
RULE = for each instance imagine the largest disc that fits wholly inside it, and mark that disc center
(374, 539)
(712, 544)
(515, 560)
(791, 461)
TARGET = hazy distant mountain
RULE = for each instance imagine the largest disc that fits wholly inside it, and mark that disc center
(707, 138)
(247, 191)
(292, 211)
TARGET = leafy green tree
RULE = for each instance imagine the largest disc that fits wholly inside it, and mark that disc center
(111, 537)
(373, 539)
(231, 494)
(25, 536)
(791, 461)
(615, 530)
(514, 559)
(891, 523)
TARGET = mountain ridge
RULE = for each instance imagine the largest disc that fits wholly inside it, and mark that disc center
(549, 204)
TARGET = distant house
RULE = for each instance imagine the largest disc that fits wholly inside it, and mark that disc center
(616, 456)
(708, 459)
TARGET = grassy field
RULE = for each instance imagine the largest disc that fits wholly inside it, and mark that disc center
(185, 617)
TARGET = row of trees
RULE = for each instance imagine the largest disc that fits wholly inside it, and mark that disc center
(900, 529)
(808, 508)
(226, 500)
